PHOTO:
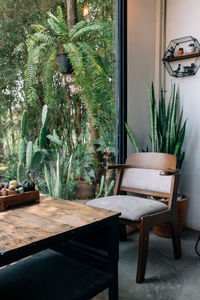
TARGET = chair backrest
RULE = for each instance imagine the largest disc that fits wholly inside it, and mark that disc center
(145, 177)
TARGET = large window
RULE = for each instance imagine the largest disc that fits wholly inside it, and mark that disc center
(58, 107)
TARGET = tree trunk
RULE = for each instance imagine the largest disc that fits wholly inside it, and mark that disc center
(71, 13)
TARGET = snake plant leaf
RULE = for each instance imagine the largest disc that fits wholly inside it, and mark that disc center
(169, 118)
(180, 160)
(172, 138)
(152, 107)
(179, 123)
(180, 140)
(132, 138)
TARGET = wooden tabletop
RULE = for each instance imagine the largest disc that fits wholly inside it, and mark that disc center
(25, 225)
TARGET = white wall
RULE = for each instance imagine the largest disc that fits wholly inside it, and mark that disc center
(141, 63)
(183, 18)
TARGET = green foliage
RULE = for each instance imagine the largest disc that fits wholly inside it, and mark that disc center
(102, 190)
(83, 162)
(85, 44)
(30, 156)
(167, 130)
(132, 138)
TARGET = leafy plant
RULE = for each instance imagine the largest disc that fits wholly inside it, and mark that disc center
(57, 168)
(85, 45)
(83, 161)
(167, 130)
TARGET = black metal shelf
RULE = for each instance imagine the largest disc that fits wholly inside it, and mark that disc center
(181, 57)
(171, 56)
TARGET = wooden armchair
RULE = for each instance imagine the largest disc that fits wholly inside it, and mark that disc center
(146, 174)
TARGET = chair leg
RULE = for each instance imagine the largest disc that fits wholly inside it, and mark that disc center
(176, 240)
(142, 251)
(122, 232)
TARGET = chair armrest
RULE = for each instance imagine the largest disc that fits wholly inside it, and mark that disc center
(169, 172)
(120, 166)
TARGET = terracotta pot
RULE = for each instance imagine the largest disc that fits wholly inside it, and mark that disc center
(85, 191)
(164, 230)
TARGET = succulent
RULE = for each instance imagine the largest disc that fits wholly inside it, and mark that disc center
(108, 190)
(28, 186)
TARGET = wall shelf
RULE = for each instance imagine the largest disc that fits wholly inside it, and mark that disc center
(171, 56)
(181, 57)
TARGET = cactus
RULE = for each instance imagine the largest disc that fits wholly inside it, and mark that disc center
(36, 159)
(44, 115)
(24, 124)
(100, 194)
(102, 186)
(20, 173)
(22, 151)
(43, 130)
(110, 188)
(30, 156)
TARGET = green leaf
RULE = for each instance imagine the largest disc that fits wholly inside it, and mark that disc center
(132, 139)
(55, 139)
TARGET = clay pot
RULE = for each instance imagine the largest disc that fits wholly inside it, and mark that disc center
(85, 191)
(164, 230)
(180, 51)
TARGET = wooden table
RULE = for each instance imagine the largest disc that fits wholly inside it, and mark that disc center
(84, 234)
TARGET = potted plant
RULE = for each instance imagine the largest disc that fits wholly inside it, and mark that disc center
(83, 170)
(64, 63)
(167, 136)
(190, 48)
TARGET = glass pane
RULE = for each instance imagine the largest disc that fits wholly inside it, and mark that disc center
(57, 120)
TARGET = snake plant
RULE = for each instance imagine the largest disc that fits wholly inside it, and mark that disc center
(167, 128)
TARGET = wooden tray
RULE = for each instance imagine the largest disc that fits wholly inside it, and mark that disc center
(17, 199)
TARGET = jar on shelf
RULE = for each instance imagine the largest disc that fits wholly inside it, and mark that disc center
(190, 48)
(180, 51)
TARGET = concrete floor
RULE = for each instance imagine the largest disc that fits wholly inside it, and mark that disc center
(166, 278)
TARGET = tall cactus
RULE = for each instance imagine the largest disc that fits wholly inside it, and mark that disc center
(22, 148)
(43, 130)
(30, 155)
(102, 186)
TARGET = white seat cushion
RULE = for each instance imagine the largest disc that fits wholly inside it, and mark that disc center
(131, 207)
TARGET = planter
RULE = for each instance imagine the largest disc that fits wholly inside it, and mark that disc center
(64, 63)
(164, 230)
(85, 191)
(191, 48)
(18, 199)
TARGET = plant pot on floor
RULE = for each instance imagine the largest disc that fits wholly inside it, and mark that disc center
(85, 191)
(164, 230)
